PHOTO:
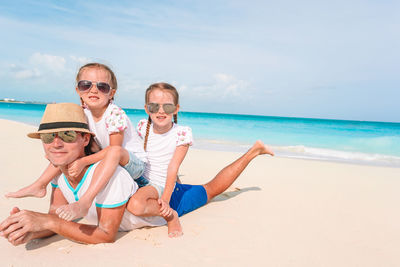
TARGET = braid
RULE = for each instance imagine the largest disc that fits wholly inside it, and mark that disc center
(176, 118)
(147, 133)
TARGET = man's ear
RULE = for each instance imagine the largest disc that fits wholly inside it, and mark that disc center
(86, 139)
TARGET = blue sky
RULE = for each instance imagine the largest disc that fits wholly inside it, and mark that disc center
(319, 59)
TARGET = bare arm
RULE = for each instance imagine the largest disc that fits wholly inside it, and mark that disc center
(48, 174)
(115, 140)
(172, 172)
(78, 165)
(40, 225)
(105, 232)
(10, 226)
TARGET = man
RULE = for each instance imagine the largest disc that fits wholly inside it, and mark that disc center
(65, 134)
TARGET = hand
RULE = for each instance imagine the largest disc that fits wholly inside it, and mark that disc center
(165, 209)
(21, 240)
(75, 168)
(19, 227)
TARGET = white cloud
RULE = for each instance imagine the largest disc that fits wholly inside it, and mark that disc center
(27, 74)
(22, 72)
(80, 60)
(230, 85)
(48, 62)
(223, 86)
(225, 78)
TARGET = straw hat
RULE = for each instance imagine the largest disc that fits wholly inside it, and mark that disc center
(62, 117)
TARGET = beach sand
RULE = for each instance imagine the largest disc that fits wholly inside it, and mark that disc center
(280, 212)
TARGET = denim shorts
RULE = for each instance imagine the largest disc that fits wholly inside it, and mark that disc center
(159, 188)
(141, 181)
(135, 166)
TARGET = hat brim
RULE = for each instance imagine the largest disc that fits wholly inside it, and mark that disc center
(36, 135)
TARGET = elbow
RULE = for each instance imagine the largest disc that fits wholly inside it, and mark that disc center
(103, 239)
(110, 239)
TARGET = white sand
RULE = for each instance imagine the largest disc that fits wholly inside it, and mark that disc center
(280, 212)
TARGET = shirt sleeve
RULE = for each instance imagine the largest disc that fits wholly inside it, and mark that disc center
(184, 136)
(141, 128)
(116, 120)
(54, 181)
(117, 191)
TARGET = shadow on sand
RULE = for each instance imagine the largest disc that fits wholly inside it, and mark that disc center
(43, 242)
(234, 192)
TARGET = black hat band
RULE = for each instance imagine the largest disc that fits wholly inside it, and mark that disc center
(64, 124)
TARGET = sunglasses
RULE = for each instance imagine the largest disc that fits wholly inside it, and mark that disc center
(85, 85)
(66, 136)
(155, 107)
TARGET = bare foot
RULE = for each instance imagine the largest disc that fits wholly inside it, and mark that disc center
(29, 191)
(174, 225)
(72, 211)
(260, 148)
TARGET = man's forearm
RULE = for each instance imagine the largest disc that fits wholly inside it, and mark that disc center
(83, 233)
(38, 225)
(42, 234)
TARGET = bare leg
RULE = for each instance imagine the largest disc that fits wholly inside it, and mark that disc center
(38, 188)
(230, 173)
(115, 156)
(144, 203)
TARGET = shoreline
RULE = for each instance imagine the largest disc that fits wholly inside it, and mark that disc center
(280, 212)
(290, 152)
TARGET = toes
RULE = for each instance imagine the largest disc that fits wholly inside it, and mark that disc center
(175, 234)
(60, 210)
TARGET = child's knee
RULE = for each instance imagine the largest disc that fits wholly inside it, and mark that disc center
(136, 207)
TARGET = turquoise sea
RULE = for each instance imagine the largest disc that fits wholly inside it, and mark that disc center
(375, 143)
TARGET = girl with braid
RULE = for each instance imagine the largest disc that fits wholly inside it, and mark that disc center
(166, 144)
(114, 133)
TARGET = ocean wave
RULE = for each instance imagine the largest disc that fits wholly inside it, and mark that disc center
(304, 152)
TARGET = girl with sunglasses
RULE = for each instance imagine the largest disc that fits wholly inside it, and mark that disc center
(117, 142)
(166, 144)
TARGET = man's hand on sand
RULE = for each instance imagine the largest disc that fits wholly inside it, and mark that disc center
(19, 227)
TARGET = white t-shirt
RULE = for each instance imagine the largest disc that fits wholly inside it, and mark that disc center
(160, 149)
(116, 193)
(115, 120)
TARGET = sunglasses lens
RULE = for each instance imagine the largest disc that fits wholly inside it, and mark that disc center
(68, 136)
(103, 87)
(47, 138)
(153, 107)
(169, 108)
(84, 85)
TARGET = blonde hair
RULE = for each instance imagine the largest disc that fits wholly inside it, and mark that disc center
(113, 78)
(165, 87)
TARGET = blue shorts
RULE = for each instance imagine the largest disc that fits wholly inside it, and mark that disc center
(187, 198)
